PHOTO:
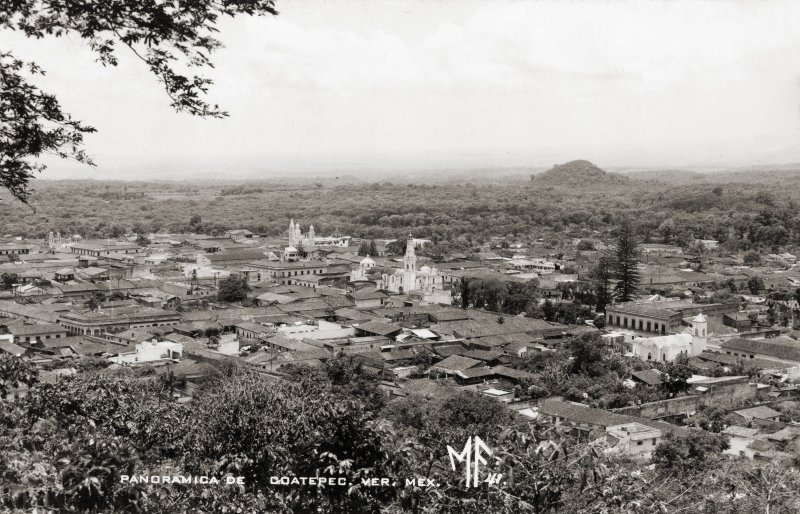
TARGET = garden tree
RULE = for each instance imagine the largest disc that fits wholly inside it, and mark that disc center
(397, 247)
(345, 376)
(488, 294)
(195, 220)
(7, 280)
(694, 452)
(548, 310)
(462, 288)
(709, 418)
(171, 38)
(626, 264)
(16, 372)
(233, 289)
(116, 231)
(755, 285)
(600, 321)
(142, 240)
(368, 248)
(519, 296)
(588, 353)
(677, 375)
(93, 303)
(752, 259)
(534, 310)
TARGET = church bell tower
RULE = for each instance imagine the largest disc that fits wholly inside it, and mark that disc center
(410, 266)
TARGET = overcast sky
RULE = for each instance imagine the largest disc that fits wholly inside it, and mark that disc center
(384, 85)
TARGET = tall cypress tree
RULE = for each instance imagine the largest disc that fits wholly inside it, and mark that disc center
(625, 269)
(602, 275)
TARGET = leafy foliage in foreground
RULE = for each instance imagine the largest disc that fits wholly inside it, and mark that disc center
(168, 37)
(67, 445)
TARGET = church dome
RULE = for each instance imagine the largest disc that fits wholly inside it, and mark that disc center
(366, 262)
(290, 249)
(425, 269)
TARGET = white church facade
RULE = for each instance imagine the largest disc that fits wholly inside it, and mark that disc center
(409, 278)
(667, 348)
(297, 239)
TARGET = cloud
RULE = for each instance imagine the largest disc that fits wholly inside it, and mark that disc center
(374, 82)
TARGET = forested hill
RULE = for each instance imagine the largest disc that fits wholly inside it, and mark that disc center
(746, 215)
(575, 173)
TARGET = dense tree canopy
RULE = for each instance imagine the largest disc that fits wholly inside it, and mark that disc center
(233, 289)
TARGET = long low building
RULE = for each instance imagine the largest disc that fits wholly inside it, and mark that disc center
(116, 320)
(660, 316)
(782, 348)
(288, 273)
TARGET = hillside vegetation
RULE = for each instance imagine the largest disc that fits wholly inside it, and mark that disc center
(577, 199)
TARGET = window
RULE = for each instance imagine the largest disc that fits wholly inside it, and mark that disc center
(639, 443)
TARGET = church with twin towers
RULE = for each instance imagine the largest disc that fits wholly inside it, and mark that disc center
(308, 240)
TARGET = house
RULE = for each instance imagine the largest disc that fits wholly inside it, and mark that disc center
(634, 439)
(14, 249)
(151, 351)
(366, 298)
(239, 235)
(8, 347)
(65, 274)
(648, 377)
(782, 348)
(498, 394)
(230, 258)
(762, 413)
(583, 418)
(739, 438)
(458, 365)
(739, 320)
(28, 332)
(104, 247)
(377, 328)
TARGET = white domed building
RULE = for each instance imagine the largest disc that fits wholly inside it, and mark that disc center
(365, 268)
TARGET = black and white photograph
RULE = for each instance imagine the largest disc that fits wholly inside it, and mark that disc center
(399, 256)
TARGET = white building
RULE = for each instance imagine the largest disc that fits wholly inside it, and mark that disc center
(410, 279)
(151, 351)
(365, 267)
(633, 439)
(667, 348)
